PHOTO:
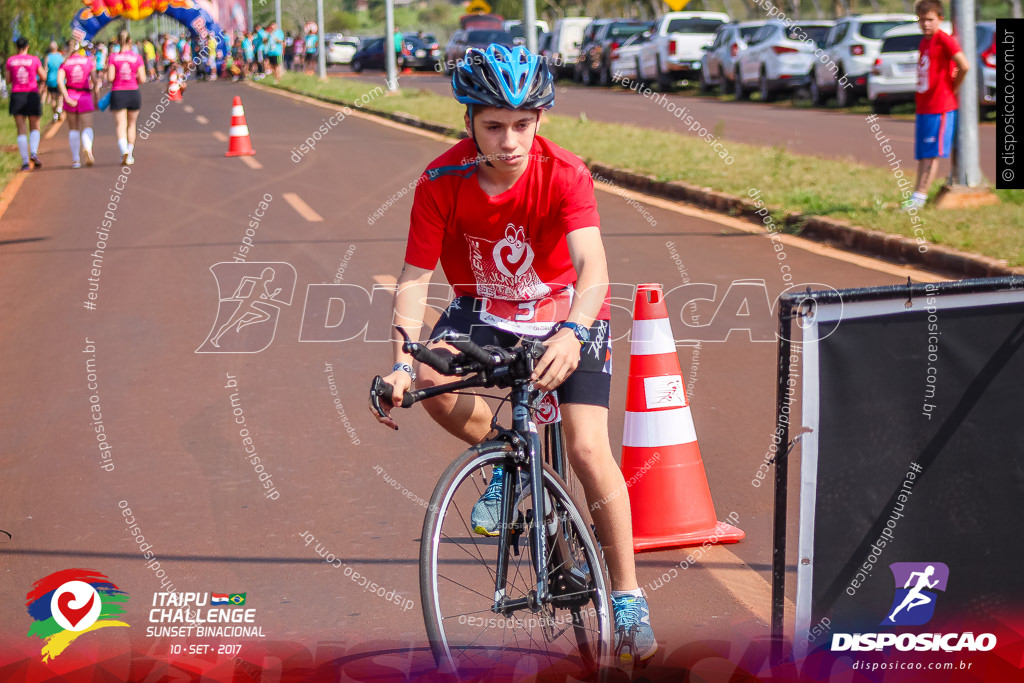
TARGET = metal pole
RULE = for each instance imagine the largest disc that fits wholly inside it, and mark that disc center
(277, 14)
(530, 25)
(389, 45)
(249, 21)
(778, 607)
(965, 168)
(321, 43)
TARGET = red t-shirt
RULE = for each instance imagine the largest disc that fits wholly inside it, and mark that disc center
(935, 74)
(509, 249)
(23, 71)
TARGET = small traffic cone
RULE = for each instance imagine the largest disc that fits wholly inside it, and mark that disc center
(173, 87)
(668, 489)
(239, 144)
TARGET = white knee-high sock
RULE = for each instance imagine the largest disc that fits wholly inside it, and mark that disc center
(33, 141)
(131, 150)
(75, 141)
(122, 145)
(23, 148)
(87, 138)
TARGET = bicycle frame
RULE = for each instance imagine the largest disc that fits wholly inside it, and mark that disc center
(524, 433)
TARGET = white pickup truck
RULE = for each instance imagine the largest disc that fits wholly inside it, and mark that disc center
(677, 45)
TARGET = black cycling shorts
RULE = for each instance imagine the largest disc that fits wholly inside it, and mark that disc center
(589, 384)
(125, 99)
(25, 104)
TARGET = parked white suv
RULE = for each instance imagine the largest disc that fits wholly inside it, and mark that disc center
(719, 62)
(778, 58)
(851, 49)
(677, 45)
(893, 77)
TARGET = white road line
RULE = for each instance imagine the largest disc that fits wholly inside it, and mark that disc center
(748, 587)
(252, 163)
(220, 136)
(202, 119)
(301, 207)
(53, 130)
(189, 109)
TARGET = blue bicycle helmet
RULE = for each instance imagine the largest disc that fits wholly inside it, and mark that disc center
(501, 77)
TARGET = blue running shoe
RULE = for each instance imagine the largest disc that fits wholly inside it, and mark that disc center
(634, 637)
(487, 510)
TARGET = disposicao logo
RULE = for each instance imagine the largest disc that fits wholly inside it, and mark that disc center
(916, 586)
(70, 603)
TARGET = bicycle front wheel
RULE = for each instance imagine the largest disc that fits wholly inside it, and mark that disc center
(571, 633)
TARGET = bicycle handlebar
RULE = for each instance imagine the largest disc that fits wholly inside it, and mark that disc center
(471, 358)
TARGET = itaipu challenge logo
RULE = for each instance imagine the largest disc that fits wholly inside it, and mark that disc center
(71, 603)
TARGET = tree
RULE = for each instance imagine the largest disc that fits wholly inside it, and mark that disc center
(38, 20)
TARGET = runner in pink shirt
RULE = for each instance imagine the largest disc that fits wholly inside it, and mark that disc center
(24, 71)
(78, 86)
(125, 72)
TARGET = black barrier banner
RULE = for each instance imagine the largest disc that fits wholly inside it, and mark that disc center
(913, 474)
(1009, 158)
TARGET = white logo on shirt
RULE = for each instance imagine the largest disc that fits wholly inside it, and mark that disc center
(513, 252)
(922, 73)
(509, 274)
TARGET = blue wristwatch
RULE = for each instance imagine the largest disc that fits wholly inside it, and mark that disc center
(582, 333)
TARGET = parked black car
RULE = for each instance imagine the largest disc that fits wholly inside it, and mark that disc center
(463, 39)
(601, 38)
(415, 55)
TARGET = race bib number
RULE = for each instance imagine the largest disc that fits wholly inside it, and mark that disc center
(535, 318)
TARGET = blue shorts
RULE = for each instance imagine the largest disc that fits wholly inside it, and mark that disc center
(933, 135)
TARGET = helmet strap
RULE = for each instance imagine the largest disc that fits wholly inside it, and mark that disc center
(472, 134)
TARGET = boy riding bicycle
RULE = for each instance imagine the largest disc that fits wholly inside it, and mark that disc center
(513, 220)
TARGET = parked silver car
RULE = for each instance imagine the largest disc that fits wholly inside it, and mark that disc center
(719, 61)
(850, 51)
(779, 58)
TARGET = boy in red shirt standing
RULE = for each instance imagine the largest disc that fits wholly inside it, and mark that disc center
(941, 68)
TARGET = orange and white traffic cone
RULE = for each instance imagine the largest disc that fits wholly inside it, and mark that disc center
(239, 144)
(173, 87)
(668, 489)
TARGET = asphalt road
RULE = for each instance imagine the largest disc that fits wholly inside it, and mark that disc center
(817, 132)
(177, 420)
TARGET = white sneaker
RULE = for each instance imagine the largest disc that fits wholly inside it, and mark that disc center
(130, 160)
(76, 164)
(89, 158)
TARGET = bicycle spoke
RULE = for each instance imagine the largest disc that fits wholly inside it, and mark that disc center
(462, 585)
(570, 630)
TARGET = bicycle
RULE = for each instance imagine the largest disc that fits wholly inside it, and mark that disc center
(482, 597)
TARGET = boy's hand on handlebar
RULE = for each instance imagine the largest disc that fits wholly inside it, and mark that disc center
(402, 382)
(559, 360)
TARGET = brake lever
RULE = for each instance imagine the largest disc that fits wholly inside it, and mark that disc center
(380, 389)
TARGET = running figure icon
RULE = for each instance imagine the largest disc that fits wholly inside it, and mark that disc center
(915, 598)
(251, 301)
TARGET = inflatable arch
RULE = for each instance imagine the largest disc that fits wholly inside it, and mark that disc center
(98, 13)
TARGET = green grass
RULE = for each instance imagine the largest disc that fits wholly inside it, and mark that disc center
(845, 189)
(10, 160)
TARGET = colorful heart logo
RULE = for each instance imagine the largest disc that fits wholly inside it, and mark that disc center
(72, 614)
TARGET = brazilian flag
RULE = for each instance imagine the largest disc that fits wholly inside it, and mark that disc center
(237, 599)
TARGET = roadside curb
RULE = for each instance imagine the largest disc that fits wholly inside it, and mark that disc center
(893, 248)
